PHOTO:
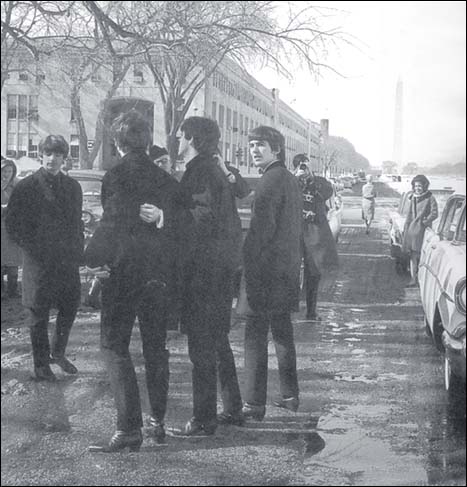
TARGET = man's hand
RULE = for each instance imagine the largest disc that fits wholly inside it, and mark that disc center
(103, 271)
(150, 213)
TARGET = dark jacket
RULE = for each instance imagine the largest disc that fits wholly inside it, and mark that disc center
(122, 240)
(44, 218)
(210, 236)
(319, 246)
(271, 251)
(423, 211)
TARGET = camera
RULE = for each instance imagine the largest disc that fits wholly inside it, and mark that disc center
(303, 167)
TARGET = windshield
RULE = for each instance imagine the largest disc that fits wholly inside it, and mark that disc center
(90, 187)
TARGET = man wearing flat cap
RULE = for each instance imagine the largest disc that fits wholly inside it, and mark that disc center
(271, 256)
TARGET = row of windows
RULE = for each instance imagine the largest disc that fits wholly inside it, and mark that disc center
(237, 123)
(238, 91)
(22, 115)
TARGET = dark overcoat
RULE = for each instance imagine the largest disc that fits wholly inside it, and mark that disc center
(44, 218)
(137, 250)
(271, 251)
(423, 211)
(319, 247)
(210, 251)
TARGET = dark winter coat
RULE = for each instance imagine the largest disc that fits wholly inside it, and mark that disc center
(123, 241)
(11, 253)
(271, 252)
(423, 211)
(44, 218)
(319, 246)
(210, 242)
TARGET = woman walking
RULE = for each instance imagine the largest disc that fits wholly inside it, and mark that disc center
(368, 202)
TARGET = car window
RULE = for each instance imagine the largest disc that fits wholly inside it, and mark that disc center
(461, 231)
(448, 226)
(90, 187)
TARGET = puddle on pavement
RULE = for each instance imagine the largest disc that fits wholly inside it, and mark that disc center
(340, 452)
(340, 449)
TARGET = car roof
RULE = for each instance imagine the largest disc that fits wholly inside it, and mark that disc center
(86, 173)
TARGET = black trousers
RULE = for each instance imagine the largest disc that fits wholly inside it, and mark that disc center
(123, 299)
(256, 356)
(207, 325)
(39, 316)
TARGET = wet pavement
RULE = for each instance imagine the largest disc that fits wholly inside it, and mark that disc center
(373, 410)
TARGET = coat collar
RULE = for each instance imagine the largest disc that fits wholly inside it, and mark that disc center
(271, 165)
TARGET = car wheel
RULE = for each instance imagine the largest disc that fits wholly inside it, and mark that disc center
(452, 383)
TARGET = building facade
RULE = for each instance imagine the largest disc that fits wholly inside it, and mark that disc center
(35, 103)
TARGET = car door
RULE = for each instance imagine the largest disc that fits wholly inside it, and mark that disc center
(431, 271)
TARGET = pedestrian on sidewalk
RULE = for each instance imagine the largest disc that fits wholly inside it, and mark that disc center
(368, 202)
(44, 218)
(271, 255)
(423, 211)
(12, 256)
(209, 259)
(135, 248)
(318, 246)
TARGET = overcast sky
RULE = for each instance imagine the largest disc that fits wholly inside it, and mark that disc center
(423, 43)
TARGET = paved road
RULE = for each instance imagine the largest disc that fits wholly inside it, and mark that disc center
(373, 409)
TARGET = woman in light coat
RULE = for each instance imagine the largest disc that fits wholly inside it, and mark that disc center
(368, 202)
(423, 211)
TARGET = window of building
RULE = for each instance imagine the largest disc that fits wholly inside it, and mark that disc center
(214, 110)
(228, 122)
(235, 121)
(221, 115)
(227, 151)
(22, 136)
(74, 146)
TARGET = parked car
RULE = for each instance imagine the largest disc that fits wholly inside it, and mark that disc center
(397, 222)
(442, 279)
(91, 184)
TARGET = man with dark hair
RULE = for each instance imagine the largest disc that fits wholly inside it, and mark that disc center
(44, 219)
(208, 263)
(271, 256)
(135, 245)
(161, 158)
(318, 245)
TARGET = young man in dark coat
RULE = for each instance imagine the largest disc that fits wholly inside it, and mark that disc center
(209, 259)
(318, 244)
(271, 256)
(136, 242)
(44, 219)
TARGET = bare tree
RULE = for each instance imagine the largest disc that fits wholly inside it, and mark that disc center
(24, 24)
(184, 42)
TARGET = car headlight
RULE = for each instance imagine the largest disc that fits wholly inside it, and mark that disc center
(459, 295)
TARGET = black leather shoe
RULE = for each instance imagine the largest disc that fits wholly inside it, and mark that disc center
(287, 403)
(197, 428)
(253, 411)
(313, 317)
(236, 419)
(157, 430)
(119, 441)
(64, 364)
(44, 373)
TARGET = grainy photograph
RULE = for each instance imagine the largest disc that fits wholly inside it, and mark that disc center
(233, 243)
